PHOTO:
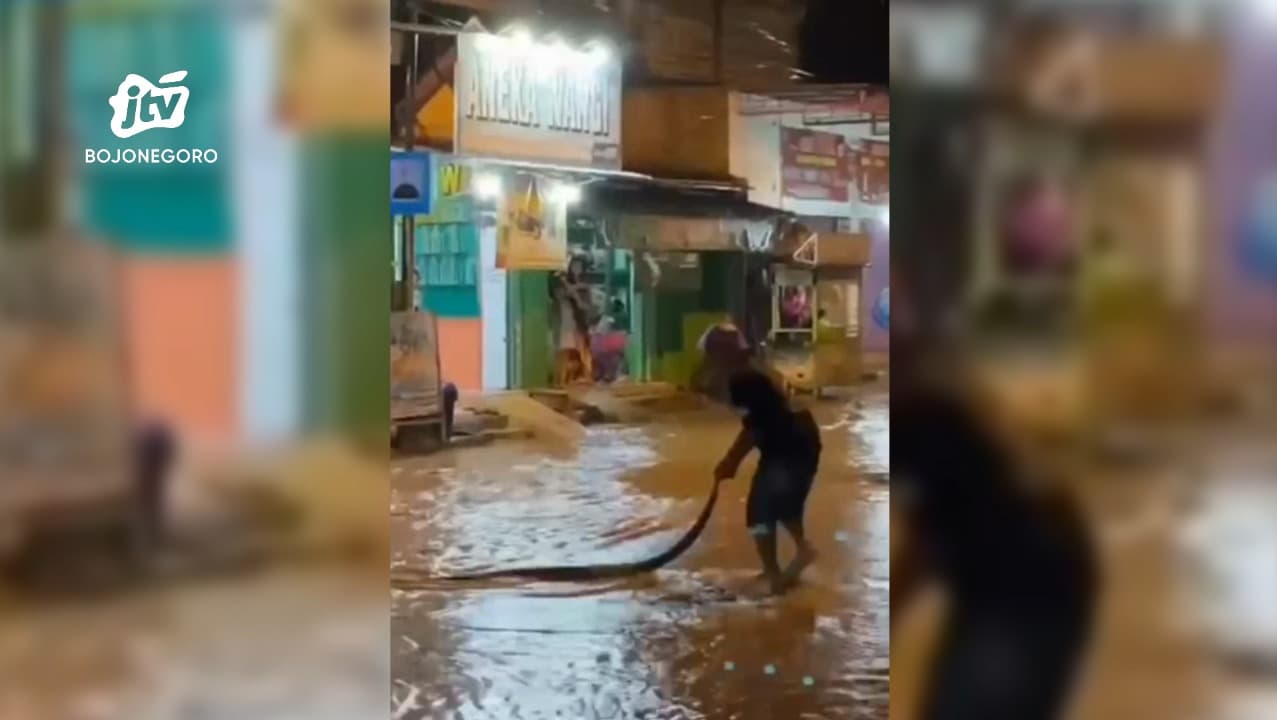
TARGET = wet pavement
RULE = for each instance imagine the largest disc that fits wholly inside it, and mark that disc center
(237, 617)
(697, 639)
(280, 645)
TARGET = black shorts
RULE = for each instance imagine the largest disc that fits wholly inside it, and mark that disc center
(1007, 670)
(778, 494)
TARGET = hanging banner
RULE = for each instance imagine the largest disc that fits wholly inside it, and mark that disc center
(875, 171)
(814, 165)
(537, 102)
(532, 234)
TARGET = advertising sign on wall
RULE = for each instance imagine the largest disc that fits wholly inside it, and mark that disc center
(452, 200)
(537, 102)
(875, 171)
(814, 165)
(410, 186)
(532, 234)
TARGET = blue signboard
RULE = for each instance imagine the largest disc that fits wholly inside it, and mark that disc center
(411, 189)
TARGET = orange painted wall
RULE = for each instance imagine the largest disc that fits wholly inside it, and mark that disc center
(182, 326)
(461, 352)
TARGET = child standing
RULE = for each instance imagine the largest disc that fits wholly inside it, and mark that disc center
(789, 448)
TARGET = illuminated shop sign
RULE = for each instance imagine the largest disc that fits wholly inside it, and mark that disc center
(520, 99)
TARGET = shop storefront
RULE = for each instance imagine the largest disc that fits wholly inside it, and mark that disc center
(531, 123)
(442, 238)
(1091, 219)
(690, 273)
(817, 308)
(607, 292)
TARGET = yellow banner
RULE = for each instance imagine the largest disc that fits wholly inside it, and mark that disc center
(533, 231)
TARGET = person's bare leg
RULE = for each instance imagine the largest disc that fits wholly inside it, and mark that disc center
(804, 556)
(765, 542)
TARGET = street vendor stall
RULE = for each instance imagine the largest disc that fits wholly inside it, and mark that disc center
(816, 336)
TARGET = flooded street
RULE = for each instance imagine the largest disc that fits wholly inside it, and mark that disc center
(696, 639)
(281, 645)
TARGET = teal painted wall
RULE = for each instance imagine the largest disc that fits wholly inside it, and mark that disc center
(448, 260)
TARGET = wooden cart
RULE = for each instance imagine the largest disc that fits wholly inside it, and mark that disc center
(416, 385)
(66, 430)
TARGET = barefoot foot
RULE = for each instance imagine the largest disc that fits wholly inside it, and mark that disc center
(805, 557)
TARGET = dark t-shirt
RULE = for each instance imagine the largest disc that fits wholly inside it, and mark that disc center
(779, 433)
(998, 545)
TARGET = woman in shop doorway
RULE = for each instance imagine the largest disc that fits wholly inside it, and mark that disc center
(574, 362)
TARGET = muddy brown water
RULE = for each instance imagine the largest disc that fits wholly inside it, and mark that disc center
(694, 640)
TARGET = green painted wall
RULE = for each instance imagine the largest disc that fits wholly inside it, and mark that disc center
(348, 266)
(679, 318)
(531, 354)
(638, 352)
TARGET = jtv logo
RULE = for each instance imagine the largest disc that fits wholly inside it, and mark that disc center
(139, 105)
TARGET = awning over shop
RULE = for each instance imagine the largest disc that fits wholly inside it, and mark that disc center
(1152, 79)
(692, 234)
(824, 250)
(675, 198)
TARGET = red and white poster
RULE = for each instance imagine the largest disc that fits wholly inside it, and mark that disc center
(874, 171)
(815, 165)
